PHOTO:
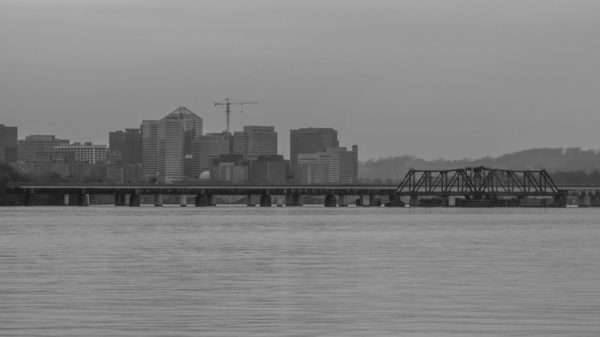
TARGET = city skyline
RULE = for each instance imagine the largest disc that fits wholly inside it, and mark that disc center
(435, 79)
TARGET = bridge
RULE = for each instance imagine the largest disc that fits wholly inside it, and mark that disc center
(204, 195)
(465, 187)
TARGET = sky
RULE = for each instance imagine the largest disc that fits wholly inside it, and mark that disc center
(432, 78)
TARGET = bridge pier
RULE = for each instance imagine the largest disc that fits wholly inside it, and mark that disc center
(265, 200)
(594, 199)
(583, 199)
(292, 199)
(413, 201)
(84, 199)
(183, 200)
(134, 200)
(119, 199)
(65, 201)
(394, 201)
(342, 200)
(158, 200)
(249, 200)
(203, 200)
(330, 201)
(374, 201)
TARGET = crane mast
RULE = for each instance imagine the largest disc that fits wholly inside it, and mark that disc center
(227, 104)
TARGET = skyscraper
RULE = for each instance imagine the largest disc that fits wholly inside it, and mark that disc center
(150, 146)
(207, 148)
(255, 141)
(128, 143)
(8, 144)
(311, 140)
(167, 145)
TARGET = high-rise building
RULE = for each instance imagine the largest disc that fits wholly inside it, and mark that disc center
(207, 148)
(37, 147)
(336, 165)
(167, 145)
(269, 170)
(255, 141)
(128, 144)
(311, 140)
(8, 144)
(86, 152)
(150, 146)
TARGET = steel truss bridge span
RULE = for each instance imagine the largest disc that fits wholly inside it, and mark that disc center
(478, 182)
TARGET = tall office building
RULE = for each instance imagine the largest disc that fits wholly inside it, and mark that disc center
(150, 146)
(336, 165)
(311, 140)
(167, 145)
(206, 149)
(38, 147)
(128, 144)
(255, 141)
(8, 144)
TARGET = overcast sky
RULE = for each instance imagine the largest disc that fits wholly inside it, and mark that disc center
(434, 78)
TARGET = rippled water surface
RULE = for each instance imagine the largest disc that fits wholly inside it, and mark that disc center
(310, 271)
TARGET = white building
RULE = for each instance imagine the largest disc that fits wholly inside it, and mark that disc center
(86, 152)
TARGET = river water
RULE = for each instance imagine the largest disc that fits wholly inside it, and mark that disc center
(309, 271)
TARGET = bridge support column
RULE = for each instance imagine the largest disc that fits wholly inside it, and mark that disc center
(394, 201)
(158, 200)
(374, 201)
(134, 200)
(265, 200)
(183, 200)
(583, 199)
(203, 200)
(28, 197)
(414, 201)
(342, 200)
(119, 199)
(594, 199)
(292, 199)
(84, 199)
(250, 202)
(445, 201)
(360, 200)
(330, 201)
(65, 201)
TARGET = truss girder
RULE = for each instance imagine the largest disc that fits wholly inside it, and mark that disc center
(478, 181)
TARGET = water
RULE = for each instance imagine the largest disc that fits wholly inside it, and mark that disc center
(236, 271)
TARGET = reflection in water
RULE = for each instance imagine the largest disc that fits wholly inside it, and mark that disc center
(228, 271)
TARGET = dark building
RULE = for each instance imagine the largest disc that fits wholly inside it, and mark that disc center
(8, 144)
(207, 148)
(269, 170)
(128, 143)
(36, 147)
(311, 140)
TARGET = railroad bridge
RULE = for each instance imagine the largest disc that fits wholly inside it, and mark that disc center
(465, 187)
(480, 186)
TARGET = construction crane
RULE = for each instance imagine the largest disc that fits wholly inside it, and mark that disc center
(227, 104)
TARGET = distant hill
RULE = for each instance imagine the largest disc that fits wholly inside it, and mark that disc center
(550, 159)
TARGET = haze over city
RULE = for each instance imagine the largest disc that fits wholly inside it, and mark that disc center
(446, 79)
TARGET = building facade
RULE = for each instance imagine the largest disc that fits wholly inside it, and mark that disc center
(36, 147)
(335, 165)
(206, 149)
(128, 144)
(86, 152)
(311, 140)
(255, 141)
(8, 144)
(167, 145)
